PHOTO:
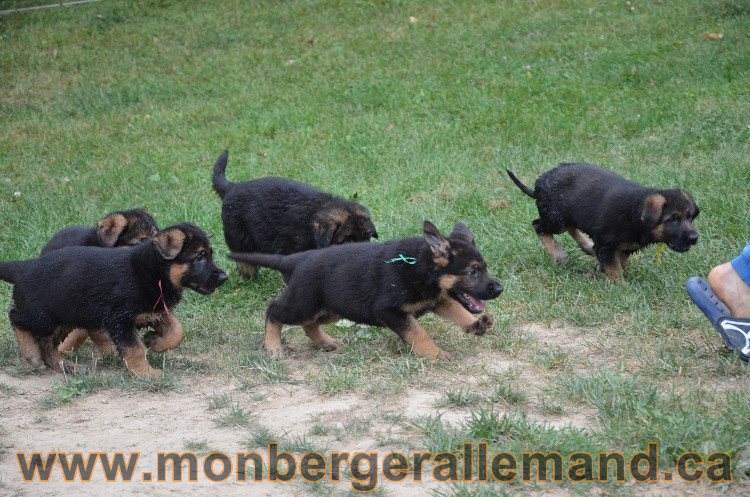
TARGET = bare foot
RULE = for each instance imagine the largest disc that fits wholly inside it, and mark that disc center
(730, 289)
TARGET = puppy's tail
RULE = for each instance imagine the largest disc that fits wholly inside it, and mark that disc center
(281, 263)
(221, 185)
(528, 191)
(9, 270)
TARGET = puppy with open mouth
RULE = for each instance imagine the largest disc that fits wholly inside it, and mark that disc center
(389, 284)
(619, 215)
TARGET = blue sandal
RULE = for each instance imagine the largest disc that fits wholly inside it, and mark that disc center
(734, 331)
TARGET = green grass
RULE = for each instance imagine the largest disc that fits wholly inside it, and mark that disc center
(460, 397)
(122, 104)
(233, 415)
(199, 447)
(218, 401)
(463, 490)
(261, 436)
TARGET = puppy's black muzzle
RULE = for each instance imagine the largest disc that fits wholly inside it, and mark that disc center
(685, 242)
(215, 278)
(494, 289)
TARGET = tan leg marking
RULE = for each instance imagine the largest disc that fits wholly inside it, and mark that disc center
(73, 341)
(624, 259)
(136, 362)
(53, 359)
(246, 269)
(30, 349)
(553, 248)
(272, 340)
(449, 309)
(614, 271)
(167, 335)
(421, 343)
(582, 240)
(103, 345)
(320, 338)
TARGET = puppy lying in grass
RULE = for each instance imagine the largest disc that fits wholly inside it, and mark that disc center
(620, 216)
(281, 216)
(390, 284)
(95, 288)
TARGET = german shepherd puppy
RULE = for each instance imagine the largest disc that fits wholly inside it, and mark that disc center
(281, 216)
(116, 229)
(620, 216)
(389, 284)
(112, 290)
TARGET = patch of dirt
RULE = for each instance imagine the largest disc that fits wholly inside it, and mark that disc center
(145, 422)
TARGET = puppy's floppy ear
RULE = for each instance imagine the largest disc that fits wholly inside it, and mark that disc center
(652, 208)
(695, 211)
(110, 228)
(438, 244)
(169, 243)
(462, 232)
(324, 232)
(368, 227)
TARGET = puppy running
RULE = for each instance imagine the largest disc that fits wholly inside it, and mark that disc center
(281, 216)
(389, 284)
(111, 290)
(117, 229)
(620, 216)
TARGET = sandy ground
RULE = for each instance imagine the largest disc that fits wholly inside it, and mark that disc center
(137, 421)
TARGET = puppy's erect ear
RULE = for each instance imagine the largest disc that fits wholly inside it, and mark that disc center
(169, 243)
(110, 228)
(324, 232)
(462, 232)
(652, 209)
(438, 244)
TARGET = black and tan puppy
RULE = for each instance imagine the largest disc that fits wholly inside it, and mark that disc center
(619, 215)
(117, 229)
(389, 284)
(112, 290)
(280, 216)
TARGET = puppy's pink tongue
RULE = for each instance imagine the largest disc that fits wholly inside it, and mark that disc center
(475, 304)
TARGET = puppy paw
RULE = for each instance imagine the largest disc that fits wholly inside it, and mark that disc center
(481, 325)
(104, 350)
(275, 353)
(148, 373)
(329, 345)
(35, 361)
(149, 339)
(444, 356)
(65, 348)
